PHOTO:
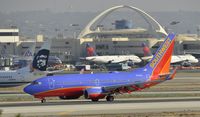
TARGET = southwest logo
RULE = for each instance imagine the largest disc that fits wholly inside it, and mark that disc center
(160, 53)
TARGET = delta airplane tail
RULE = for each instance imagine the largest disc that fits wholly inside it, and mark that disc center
(90, 50)
(146, 50)
(41, 58)
(160, 63)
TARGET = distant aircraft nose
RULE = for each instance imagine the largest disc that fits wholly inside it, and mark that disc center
(196, 60)
(139, 60)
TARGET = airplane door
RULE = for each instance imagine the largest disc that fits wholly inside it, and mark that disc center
(21, 76)
(97, 82)
(51, 82)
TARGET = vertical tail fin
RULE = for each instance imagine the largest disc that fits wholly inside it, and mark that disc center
(146, 50)
(29, 53)
(90, 50)
(160, 63)
(41, 58)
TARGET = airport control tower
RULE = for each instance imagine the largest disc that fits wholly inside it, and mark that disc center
(123, 24)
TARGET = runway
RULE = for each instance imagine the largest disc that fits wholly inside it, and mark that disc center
(86, 107)
(176, 90)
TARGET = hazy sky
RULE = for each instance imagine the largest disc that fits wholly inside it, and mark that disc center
(97, 5)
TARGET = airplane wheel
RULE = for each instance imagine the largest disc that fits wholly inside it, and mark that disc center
(43, 101)
(110, 98)
(95, 100)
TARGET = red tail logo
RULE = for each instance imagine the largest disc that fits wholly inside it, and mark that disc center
(146, 50)
(90, 50)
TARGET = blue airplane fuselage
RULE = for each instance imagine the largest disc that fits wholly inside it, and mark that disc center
(97, 86)
(137, 76)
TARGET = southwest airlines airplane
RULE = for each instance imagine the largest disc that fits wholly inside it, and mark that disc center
(100, 85)
(29, 73)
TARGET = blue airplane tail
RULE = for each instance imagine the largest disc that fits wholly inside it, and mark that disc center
(160, 63)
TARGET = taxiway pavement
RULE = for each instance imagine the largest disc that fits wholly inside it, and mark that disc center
(86, 107)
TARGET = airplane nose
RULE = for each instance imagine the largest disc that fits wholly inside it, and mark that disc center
(29, 89)
(196, 60)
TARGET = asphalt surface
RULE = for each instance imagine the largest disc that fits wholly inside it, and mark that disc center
(126, 105)
(86, 107)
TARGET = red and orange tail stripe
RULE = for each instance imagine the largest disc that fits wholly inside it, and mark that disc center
(164, 65)
(160, 63)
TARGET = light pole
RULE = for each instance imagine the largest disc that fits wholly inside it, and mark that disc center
(198, 31)
(14, 34)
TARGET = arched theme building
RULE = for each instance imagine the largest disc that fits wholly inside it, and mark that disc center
(123, 39)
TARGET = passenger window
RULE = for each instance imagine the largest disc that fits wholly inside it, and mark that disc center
(36, 83)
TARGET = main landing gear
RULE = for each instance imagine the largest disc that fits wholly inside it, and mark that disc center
(95, 100)
(110, 98)
(43, 100)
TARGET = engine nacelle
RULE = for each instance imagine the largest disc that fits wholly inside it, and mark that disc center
(186, 64)
(94, 93)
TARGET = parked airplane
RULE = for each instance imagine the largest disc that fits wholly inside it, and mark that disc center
(14, 61)
(29, 73)
(92, 56)
(99, 85)
(183, 60)
(26, 58)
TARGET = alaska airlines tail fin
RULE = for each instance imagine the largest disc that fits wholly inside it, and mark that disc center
(160, 63)
(90, 50)
(41, 58)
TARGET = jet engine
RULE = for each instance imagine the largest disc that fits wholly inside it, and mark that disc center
(94, 93)
(186, 64)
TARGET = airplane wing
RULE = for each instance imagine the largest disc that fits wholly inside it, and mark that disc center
(119, 61)
(53, 72)
(147, 58)
(128, 88)
(123, 88)
(177, 61)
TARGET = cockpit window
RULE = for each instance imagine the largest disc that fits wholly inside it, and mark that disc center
(35, 83)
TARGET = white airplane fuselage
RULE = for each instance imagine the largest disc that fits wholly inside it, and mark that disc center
(29, 73)
(18, 77)
(114, 59)
(179, 58)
